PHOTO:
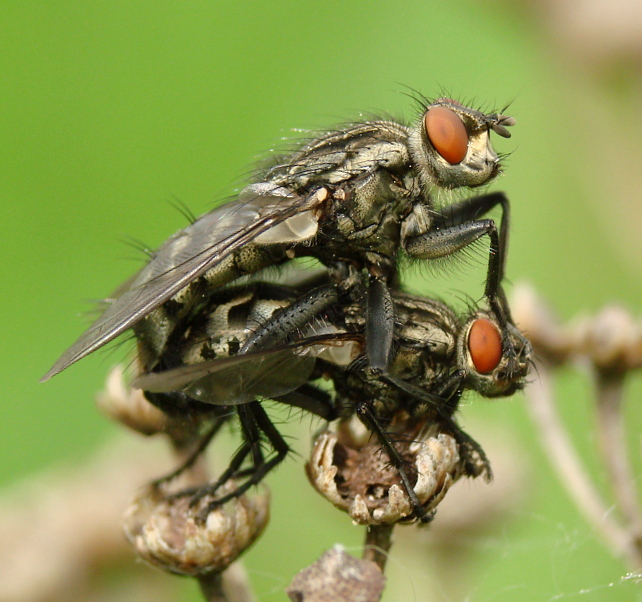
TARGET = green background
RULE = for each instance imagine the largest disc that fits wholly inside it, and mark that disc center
(111, 109)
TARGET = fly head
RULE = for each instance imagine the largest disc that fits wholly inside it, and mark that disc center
(451, 147)
(493, 367)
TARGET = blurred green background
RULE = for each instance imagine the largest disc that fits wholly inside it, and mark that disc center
(110, 110)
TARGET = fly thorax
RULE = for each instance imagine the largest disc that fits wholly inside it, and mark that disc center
(368, 212)
(377, 195)
(428, 326)
(407, 364)
(417, 222)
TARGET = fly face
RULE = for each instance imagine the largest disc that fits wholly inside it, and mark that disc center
(481, 356)
(451, 145)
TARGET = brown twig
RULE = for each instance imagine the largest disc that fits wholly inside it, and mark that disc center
(612, 438)
(566, 463)
(212, 587)
(377, 544)
(610, 343)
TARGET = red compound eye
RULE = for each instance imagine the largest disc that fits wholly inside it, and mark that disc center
(485, 345)
(447, 133)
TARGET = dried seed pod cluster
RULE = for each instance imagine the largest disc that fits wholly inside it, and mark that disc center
(358, 478)
(168, 533)
(611, 340)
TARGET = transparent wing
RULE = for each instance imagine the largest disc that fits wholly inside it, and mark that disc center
(270, 375)
(242, 378)
(186, 256)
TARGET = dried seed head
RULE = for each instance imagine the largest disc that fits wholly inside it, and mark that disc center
(167, 533)
(540, 325)
(338, 576)
(129, 406)
(132, 409)
(360, 480)
(612, 340)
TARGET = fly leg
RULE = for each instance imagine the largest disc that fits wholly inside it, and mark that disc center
(256, 427)
(287, 322)
(252, 438)
(368, 416)
(251, 445)
(470, 210)
(179, 407)
(195, 453)
(380, 325)
(444, 403)
(261, 425)
(313, 400)
(460, 225)
(379, 337)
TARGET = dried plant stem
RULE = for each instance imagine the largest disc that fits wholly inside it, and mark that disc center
(612, 436)
(571, 472)
(377, 544)
(236, 584)
(212, 587)
(229, 586)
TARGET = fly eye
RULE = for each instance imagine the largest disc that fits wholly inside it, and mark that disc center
(485, 345)
(447, 133)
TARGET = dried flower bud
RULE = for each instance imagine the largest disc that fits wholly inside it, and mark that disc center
(132, 409)
(612, 339)
(539, 324)
(129, 406)
(360, 480)
(338, 576)
(169, 534)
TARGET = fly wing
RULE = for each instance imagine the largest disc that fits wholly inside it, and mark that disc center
(270, 375)
(186, 256)
(243, 378)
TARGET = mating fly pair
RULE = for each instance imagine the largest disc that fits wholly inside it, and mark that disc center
(354, 198)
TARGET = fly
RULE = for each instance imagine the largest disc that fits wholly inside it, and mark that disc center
(285, 339)
(354, 196)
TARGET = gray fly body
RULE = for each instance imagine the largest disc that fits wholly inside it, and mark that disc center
(356, 196)
(223, 343)
(274, 341)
